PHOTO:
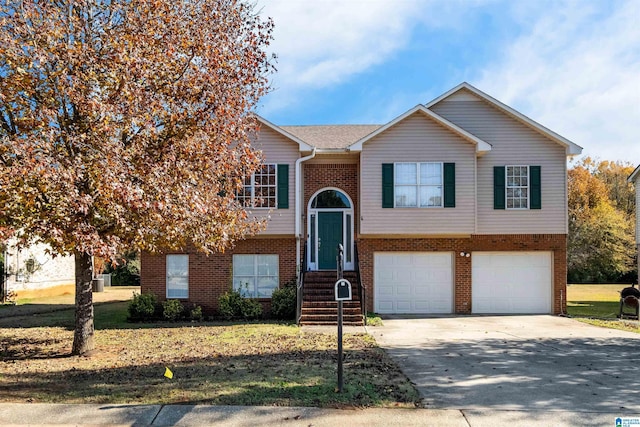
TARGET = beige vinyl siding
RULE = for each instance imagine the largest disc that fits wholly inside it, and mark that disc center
(416, 139)
(281, 150)
(513, 143)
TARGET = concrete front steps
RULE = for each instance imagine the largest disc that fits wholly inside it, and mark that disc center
(319, 306)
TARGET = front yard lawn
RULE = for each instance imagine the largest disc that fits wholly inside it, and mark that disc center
(225, 364)
(598, 305)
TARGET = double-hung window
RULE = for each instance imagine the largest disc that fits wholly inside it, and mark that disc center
(260, 189)
(517, 187)
(418, 185)
(255, 276)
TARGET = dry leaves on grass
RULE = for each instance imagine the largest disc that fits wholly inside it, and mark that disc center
(250, 364)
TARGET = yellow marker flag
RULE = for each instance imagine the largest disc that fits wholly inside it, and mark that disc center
(168, 373)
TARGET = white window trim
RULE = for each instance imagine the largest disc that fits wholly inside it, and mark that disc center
(167, 276)
(418, 185)
(255, 275)
(507, 187)
(253, 189)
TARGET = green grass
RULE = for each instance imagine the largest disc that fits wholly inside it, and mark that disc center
(598, 305)
(259, 363)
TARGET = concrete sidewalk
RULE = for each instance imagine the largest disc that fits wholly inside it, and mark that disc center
(204, 415)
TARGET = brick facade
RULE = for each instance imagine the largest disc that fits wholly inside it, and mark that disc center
(210, 276)
(556, 243)
(341, 176)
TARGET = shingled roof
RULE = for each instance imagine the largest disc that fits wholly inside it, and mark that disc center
(330, 136)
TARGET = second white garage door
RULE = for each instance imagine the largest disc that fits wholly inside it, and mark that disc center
(511, 282)
(413, 282)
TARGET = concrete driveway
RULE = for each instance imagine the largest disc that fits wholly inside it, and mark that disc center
(517, 363)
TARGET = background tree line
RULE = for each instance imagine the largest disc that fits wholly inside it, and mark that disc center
(601, 246)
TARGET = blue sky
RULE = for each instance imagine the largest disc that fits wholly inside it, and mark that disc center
(573, 66)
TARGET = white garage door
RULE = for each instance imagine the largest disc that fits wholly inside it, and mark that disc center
(416, 282)
(511, 282)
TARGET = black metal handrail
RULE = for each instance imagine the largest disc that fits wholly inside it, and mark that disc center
(362, 290)
(300, 285)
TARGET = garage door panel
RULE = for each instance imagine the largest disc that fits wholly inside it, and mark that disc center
(413, 282)
(403, 291)
(402, 306)
(511, 282)
(386, 306)
(421, 291)
(386, 290)
(403, 276)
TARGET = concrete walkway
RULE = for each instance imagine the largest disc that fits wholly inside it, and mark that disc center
(267, 416)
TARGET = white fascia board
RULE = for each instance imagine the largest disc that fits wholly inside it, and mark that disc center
(303, 146)
(632, 178)
(572, 148)
(481, 146)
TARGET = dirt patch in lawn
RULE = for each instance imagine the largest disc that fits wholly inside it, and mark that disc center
(247, 364)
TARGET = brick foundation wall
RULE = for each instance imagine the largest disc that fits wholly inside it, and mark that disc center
(210, 276)
(556, 243)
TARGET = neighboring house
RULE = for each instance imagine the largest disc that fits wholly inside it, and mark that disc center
(33, 272)
(456, 206)
(635, 179)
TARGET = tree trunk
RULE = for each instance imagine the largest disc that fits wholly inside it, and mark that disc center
(83, 335)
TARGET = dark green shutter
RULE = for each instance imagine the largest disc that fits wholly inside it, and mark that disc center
(449, 185)
(387, 185)
(536, 193)
(283, 186)
(498, 187)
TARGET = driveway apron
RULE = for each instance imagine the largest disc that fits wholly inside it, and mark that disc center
(517, 363)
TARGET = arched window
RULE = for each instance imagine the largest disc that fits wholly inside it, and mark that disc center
(330, 199)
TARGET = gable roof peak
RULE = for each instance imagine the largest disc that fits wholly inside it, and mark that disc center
(481, 145)
(571, 147)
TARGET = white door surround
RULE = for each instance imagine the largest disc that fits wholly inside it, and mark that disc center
(329, 200)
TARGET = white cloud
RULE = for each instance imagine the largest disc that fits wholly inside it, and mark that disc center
(321, 42)
(325, 42)
(577, 71)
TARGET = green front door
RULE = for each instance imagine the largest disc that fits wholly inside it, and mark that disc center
(329, 237)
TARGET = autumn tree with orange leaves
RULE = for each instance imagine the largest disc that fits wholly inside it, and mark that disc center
(125, 124)
(600, 244)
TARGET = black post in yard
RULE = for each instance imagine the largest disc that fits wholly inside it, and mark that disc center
(340, 276)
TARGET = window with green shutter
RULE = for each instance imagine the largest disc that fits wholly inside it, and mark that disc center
(449, 185)
(418, 185)
(517, 187)
(267, 187)
(536, 189)
(283, 186)
(387, 185)
(498, 187)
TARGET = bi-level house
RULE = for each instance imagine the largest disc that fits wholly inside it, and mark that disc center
(456, 206)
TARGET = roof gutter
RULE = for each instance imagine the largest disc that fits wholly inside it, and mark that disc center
(298, 208)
